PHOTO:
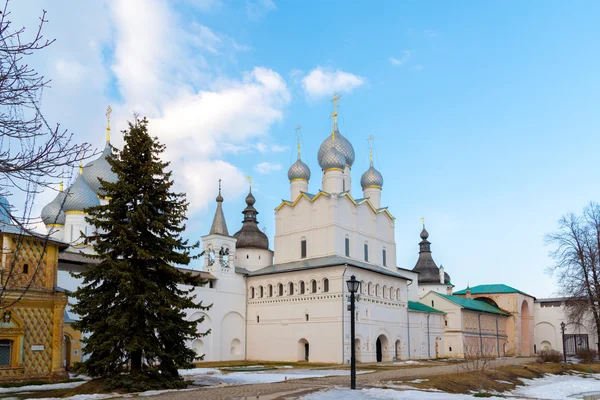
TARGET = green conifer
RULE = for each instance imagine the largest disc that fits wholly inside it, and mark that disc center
(132, 303)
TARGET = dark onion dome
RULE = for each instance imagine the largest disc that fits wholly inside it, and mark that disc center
(343, 145)
(371, 179)
(426, 267)
(80, 196)
(299, 171)
(52, 213)
(99, 168)
(250, 236)
(332, 159)
(4, 210)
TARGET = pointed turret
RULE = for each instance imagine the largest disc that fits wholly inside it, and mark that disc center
(219, 226)
(429, 273)
(250, 236)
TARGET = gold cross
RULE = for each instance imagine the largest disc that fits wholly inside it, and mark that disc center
(371, 150)
(108, 112)
(298, 128)
(249, 179)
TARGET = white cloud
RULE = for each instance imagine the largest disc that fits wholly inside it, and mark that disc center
(322, 82)
(406, 54)
(270, 148)
(258, 9)
(266, 167)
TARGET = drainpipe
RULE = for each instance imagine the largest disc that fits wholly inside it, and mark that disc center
(497, 337)
(428, 337)
(344, 306)
(246, 323)
(480, 338)
(408, 317)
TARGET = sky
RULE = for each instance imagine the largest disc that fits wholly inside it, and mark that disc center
(485, 114)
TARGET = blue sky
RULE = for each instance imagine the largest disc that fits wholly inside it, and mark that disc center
(485, 114)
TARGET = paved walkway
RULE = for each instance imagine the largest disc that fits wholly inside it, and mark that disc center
(295, 388)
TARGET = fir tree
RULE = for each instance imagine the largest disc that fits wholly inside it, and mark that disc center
(132, 303)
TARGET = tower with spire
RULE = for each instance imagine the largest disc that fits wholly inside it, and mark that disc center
(430, 276)
(218, 245)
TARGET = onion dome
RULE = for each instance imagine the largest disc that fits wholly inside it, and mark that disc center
(80, 196)
(371, 179)
(425, 266)
(99, 168)
(342, 144)
(332, 158)
(4, 210)
(52, 213)
(250, 236)
(299, 170)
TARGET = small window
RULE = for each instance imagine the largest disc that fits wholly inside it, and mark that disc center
(260, 292)
(450, 348)
(270, 290)
(211, 284)
(25, 268)
(280, 289)
(247, 256)
(347, 245)
(251, 292)
(306, 316)
(432, 303)
(325, 285)
(446, 321)
(301, 287)
(366, 252)
(291, 289)
(384, 257)
(257, 319)
(5, 352)
(313, 285)
(303, 248)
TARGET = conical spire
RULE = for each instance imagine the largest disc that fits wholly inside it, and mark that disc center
(219, 226)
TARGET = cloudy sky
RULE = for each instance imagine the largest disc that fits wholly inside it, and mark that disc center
(485, 114)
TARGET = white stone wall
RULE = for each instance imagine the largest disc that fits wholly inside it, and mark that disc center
(426, 337)
(253, 259)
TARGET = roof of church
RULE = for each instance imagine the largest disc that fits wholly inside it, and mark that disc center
(493, 288)
(471, 304)
(416, 306)
(219, 226)
(425, 266)
(327, 261)
(250, 236)
(11, 229)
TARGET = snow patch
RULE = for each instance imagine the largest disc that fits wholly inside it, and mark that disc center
(419, 381)
(386, 394)
(558, 387)
(37, 388)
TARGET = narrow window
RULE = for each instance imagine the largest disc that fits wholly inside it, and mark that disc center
(366, 252)
(280, 288)
(446, 321)
(325, 285)
(257, 319)
(384, 257)
(432, 304)
(313, 285)
(251, 292)
(260, 292)
(247, 256)
(301, 287)
(303, 248)
(270, 291)
(306, 315)
(291, 289)
(347, 244)
(25, 268)
(211, 284)
(450, 348)
(5, 352)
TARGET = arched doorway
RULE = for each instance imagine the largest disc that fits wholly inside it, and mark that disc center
(379, 355)
(398, 349)
(303, 350)
(67, 351)
(381, 349)
(525, 332)
(198, 347)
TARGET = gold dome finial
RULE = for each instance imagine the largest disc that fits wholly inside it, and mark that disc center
(60, 187)
(298, 128)
(80, 167)
(108, 112)
(336, 98)
(249, 179)
(371, 150)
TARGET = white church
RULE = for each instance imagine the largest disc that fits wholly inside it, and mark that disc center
(290, 303)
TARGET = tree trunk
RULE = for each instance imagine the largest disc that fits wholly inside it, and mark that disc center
(136, 362)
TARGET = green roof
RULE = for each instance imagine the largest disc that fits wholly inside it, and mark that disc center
(487, 289)
(475, 305)
(416, 306)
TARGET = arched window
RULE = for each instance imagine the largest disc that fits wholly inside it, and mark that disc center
(270, 290)
(5, 352)
(377, 293)
(260, 292)
(303, 248)
(251, 292)
(325, 285)
(302, 287)
(392, 293)
(25, 268)
(347, 246)
(398, 294)
(280, 289)
(313, 286)
(363, 287)
(290, 288)
(370, 289)
(385, 292)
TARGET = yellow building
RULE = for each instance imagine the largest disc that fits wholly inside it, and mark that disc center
(32, 307)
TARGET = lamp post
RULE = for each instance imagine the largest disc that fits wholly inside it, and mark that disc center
(562, 329)
(352, 288)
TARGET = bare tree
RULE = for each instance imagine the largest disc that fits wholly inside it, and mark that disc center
(33, 154)
(479, 360)
(577, 258)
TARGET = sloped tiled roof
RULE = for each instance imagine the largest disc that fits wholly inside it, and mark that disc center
(494, 288)
(416, 306)
(475, 305)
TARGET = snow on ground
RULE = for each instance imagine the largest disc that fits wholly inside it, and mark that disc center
(559, 387)
(214, 377)
(83, 397)
(386, 394)
(409, 362)
(418, 381)
(37, 388)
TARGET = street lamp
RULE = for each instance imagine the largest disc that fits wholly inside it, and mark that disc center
(352, 288)
(562, 329)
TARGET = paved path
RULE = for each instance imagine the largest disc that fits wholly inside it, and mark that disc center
(295, 388)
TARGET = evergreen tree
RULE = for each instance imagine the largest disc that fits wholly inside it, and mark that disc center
(132, 303)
